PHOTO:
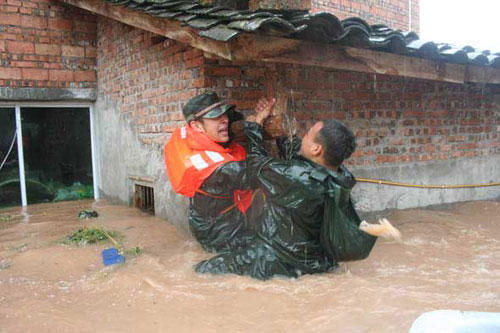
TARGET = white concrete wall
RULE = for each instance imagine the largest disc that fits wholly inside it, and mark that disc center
(374, 197)
(122, 156)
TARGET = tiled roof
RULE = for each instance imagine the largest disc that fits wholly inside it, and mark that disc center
(223, 24)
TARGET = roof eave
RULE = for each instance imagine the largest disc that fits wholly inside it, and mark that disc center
(255, 47)
(169, 28)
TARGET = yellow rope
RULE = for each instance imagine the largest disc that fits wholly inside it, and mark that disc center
(383, 182)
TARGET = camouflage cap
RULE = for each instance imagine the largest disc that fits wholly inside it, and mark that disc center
(206, 105)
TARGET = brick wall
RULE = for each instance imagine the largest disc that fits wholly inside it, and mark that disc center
(150, 78)
(393, 13)
(396, 120)
(146, 76)
(399, 120)
(46, 44)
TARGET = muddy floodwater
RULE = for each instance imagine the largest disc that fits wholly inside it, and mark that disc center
(449, 259)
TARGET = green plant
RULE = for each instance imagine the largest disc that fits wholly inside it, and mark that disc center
(90, 236)
(5, 217)
(133, 252)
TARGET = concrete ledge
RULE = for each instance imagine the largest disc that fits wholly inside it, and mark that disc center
(47, 94)
(374, 197)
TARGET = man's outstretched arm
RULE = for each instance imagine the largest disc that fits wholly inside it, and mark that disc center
(274, 175)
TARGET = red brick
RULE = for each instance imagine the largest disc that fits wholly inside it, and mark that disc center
(53, 65)
(25, 64)
(196, 62)
(467, 146)
(43, 40)
(203, 82)
(244, 105)
(225, 71)
(443, 113)
(2, 46)
(459, 138)
(9, 9)
(20, 47)
(192, 54)
(31, 21)
(16, 3)
(10, 19)
(85, 76)
(47, 49)
(59, 24)
(10, 73)
(90, 52)
(72, 51)
(252, 94)
(30, 4)
(85, 26)
(35, 74)
(60, 75)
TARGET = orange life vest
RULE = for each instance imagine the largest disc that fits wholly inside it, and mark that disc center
(191, 157)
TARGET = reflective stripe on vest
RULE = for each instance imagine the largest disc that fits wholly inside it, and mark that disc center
(198, 162)
(214, 156)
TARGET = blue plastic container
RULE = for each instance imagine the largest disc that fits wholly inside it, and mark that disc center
(111, 256)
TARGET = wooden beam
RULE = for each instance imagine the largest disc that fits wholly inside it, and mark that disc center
(394, 64)
(168, 28)
(282, 50)
(254, 47)
(482, 74)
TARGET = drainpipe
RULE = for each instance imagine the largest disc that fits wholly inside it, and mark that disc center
(20, 156)
(93, 149)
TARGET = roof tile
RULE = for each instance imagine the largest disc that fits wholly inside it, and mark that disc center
(223, 24)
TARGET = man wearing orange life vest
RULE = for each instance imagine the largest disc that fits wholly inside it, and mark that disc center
(204, 164)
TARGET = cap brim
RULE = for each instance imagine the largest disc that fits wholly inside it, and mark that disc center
(218, 111)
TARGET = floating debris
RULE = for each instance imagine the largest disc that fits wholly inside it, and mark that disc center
(21, 247)
(87, 214)
(112, 256)
(133, 252)
(6, 217)
(90, 236)
(4, 264)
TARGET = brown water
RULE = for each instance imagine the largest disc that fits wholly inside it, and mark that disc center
(449, 260)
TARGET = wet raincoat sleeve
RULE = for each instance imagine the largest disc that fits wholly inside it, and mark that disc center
(341, 237)
(277, 176)
(213, 219)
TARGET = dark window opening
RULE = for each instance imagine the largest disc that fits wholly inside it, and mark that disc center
(10, 193)
(57, 155)
(144, 198)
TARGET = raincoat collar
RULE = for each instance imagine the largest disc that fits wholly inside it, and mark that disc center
(342, 177)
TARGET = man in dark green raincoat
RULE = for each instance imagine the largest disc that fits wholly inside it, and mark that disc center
(308, 223)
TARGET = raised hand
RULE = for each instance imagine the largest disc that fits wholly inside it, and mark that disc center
(263, 109)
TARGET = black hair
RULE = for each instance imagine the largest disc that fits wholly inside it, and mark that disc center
(337, 140)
